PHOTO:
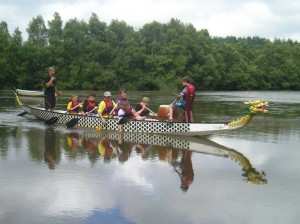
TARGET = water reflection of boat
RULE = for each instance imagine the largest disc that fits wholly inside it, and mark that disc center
(123, 144)
(177, 151)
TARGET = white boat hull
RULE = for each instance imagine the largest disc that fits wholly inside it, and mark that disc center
(139, 126)
(30, 93)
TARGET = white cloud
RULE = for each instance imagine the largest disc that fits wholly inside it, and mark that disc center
(269, 19)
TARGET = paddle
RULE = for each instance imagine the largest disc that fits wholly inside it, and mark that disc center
(155, 114)
(99, 128)
(74, 121)
(53, 120)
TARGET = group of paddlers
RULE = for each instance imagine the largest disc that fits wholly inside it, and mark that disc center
(110, 108)
(121, 107)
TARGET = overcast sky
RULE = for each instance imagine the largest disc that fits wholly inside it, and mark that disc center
(241, 18)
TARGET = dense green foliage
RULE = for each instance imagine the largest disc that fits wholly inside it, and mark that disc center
(98, 56)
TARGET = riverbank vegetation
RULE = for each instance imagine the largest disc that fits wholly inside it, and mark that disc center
(94, 55)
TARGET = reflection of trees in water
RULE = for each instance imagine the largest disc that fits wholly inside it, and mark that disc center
(10, 137)
(4, 143)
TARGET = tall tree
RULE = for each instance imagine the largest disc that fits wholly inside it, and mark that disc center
(37, 32)
(4, 63)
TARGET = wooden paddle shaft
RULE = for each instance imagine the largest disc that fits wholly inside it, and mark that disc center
(150, 111)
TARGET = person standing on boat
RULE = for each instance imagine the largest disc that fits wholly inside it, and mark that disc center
(188, 96)
(50, 89)
(106, 106)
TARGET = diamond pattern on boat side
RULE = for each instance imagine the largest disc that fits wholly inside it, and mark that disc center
(111, 124)
(148, 139)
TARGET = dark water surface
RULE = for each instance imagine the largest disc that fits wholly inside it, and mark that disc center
(59, 175)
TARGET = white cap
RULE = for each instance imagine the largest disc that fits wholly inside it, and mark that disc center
(107, 94)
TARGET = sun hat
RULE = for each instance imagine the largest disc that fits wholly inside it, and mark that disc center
(145, 99)
(107, 94)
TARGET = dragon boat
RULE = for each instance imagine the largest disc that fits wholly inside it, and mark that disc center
(148, 126)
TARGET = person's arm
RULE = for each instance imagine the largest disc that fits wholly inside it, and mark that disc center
(69, 106)
(100, 111)
(50, 82)
(139, 109)
(115, 107)
(84, 107)
(118, 102)
(57, 92)
(180, 95)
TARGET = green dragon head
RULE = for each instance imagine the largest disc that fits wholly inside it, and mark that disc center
(255, 107)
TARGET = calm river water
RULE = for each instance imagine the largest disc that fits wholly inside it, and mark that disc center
(59, 175)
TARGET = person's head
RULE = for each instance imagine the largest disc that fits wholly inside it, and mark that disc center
(107, 96)
(51, 70)
(145, 100)
(122, 93)
(186, 79)
(92, 96)
(126, 105)
(74, 97)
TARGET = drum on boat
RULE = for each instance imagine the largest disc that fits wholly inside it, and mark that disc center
(163, 113)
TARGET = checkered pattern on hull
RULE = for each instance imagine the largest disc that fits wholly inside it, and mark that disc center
(140, 138)
(111, 124)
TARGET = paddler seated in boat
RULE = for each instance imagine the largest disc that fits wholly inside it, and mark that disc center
(142, 109)
(126, 111)
(187, 95)
(106, 107)
(74, 105)
(123, 99)
(125, 114)
(89, 104)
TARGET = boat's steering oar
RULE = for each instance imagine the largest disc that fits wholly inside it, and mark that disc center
(74, 121)
(53, 120)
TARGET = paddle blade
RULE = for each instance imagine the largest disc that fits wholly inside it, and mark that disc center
(72, 122)
(52, 120)
(22, 114)
(123, 120)
(99, 128)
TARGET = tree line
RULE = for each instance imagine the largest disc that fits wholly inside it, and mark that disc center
(94, 55)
